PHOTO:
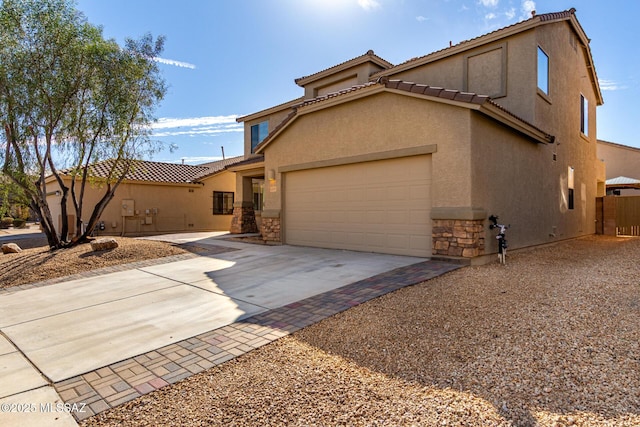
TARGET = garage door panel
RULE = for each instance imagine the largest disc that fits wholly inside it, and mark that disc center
(381, 206)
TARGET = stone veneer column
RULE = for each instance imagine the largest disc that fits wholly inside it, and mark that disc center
(244, 218)
(270, 228)
(458, 238)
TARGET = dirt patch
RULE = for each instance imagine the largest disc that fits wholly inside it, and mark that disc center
(36, 262)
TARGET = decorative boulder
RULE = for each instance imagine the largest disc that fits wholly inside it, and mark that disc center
(104, 244)
(11, 248)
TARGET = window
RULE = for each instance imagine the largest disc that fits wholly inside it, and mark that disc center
(584, 115)
(258, 133)
(222, 203)
(570, 194)
(543, 71)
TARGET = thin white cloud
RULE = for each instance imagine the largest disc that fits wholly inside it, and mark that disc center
(167, 122)
(197, 132)
(174, 63)
(369, 5)
(528, 6)
(610, 85)
(490, 16)
(197, 126)
(511, 13)
(489, 3)
(420, 18)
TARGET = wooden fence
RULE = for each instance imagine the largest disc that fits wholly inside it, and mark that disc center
(618, 215)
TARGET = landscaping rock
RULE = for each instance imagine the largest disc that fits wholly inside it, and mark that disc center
(11, 248)
(104, 244)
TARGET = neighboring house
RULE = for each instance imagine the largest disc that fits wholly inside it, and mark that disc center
(623, 168)
(411, 159)
(158, 198)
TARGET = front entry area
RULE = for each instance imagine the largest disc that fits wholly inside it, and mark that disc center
(379, 206)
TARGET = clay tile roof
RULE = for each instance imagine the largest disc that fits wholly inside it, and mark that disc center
(432, 91)
(405, 86)
(464, 96)
(448, 94)
(218, 166)
(151, 171)
(338, 93)
(369, 56)
(251, 160)
(148, 171)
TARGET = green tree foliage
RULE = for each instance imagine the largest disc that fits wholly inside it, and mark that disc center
(69, 99)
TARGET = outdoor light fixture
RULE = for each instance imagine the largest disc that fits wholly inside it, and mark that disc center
(271, 175)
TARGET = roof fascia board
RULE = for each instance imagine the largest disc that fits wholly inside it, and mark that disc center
(341, 99)
(241, 168)
(460, 48)
(302, 81)
(455, 103)
(270, 110)
(521, 126)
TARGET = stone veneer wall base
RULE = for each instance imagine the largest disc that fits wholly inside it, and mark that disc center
(458, 238)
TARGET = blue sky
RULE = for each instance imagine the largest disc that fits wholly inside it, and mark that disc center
(224, 59)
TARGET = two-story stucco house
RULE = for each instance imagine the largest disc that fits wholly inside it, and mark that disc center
(412, 158)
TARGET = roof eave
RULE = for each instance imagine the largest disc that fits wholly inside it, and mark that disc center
(275, 109)
(497, 113)
(370, 56)
(250, 166)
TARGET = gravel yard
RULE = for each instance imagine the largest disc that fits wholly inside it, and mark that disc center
(549, 339)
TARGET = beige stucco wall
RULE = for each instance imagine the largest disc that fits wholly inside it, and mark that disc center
(380, 123)
(342, 79)
(620, 160)
(274, 118)
(519, 180)
(517, 73)
(179, 207)
(558, 114)
(480, 167)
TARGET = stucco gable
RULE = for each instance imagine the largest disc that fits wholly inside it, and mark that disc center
(370, 56)
(500, 34)
(481, 103)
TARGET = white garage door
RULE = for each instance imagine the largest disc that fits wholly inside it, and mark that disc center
(382, 206)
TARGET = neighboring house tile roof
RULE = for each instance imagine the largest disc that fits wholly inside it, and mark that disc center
(218, 166)
(148, 171)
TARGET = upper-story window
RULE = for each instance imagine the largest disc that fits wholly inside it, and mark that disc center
(543, 71)
(258, 133)
(584, 115)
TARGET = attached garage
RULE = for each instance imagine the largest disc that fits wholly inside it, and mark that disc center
(378, 206)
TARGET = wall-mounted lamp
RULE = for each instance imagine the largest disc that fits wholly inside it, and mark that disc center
(271, 175)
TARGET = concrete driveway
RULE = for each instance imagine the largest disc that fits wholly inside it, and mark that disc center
(53, 333)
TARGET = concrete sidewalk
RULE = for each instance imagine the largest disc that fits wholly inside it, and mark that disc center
(101, 341)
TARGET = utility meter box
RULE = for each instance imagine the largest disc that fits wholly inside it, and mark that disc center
(128, 207)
